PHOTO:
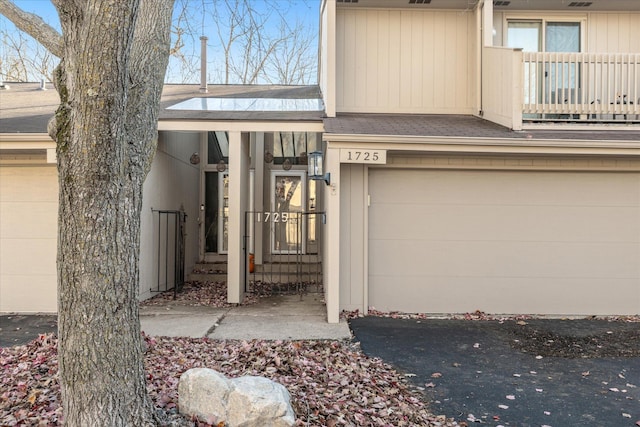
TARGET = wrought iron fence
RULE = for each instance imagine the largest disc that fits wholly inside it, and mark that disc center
(282, 251)
(170, 250)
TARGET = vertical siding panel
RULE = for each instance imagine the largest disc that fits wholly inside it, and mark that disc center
(349, 67)
(371, 65)
(624, 43)
(473, 39)
(601, 34)
(612, 34)
(634, 36)
(451, 59)
(362, 46)
(345, 240)
(340, 60)
(416, 77)
(428, 54)
(591, 28)
(463, 74)
(381, 85)
(440, 82)
(395, 66)
(405, 59)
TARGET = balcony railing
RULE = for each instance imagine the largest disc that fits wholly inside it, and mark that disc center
(533, 87)
(581, 86)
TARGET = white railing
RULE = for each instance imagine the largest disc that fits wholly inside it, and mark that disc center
(585, 86)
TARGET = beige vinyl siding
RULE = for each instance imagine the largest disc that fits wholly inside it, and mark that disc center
(613, 33)
(556, 243)
(352, 217)
(172, 184)
(28, 238)
(405, 61)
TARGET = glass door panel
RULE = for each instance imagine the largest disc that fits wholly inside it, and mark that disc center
(528, 37)
(211, 203)
(216, 212)
(223, 232)
(562, 77)
(287, 205)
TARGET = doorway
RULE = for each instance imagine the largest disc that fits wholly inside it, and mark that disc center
(288, 201)
(216, 213)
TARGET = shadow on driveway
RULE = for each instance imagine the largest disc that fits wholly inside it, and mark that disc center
(558, 373)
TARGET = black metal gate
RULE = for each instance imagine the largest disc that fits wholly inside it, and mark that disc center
(283, 252)
(170, 243)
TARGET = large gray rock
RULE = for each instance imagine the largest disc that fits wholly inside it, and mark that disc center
(240, 402)
(203, 392)
(258, 401)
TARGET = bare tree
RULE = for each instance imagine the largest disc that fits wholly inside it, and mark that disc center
(113, 56)
(294, 62)
(250, 40)
(253, 43)
(184, 62)
(249, 44)
(23, 60)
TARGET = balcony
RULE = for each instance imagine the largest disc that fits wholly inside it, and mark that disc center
(522, 89)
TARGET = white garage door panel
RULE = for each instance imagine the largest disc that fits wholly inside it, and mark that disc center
(504, 242)
(37, 220)
(497, 259)
(504, 295)
(28, 238)
(506, 222)
(471, 187)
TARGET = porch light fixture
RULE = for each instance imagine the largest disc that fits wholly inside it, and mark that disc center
(315, 168)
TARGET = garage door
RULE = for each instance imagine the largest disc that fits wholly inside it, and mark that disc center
(28, 238)
(504, 242)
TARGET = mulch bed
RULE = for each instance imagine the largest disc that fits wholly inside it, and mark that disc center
(331, 383)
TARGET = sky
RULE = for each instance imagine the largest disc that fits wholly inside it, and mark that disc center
(293, 12)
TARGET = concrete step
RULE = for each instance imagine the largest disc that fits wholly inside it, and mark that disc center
(285, 277)
(291, 258)
(278, 268)
(266, 277)
(210, 267)
(207, 277)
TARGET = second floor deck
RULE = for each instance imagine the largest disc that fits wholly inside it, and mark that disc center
(555, 87)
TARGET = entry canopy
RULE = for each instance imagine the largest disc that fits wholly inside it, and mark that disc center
(249, 104)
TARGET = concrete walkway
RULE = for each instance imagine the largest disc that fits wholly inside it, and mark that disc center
(275, 318)
(286, 317)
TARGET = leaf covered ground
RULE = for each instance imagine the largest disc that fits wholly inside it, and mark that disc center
(331, 383)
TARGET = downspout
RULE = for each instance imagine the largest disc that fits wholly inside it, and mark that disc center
(203, 65)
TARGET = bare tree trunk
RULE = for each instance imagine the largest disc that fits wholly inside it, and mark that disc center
(114, 56)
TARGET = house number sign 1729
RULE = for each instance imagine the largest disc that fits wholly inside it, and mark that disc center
(351, 155)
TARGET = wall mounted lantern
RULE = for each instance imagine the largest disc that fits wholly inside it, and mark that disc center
(315, 169)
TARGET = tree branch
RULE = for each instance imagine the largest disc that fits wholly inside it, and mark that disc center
(34, 26)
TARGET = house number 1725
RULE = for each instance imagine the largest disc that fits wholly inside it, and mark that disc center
(272, 216)
(349, 155)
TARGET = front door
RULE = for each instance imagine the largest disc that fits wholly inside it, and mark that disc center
(216, 213)
(288, 225)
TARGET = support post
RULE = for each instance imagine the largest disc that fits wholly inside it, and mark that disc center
(331, 247)
(238, 201)
(258, 194)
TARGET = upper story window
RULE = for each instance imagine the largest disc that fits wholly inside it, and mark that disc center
(544, 36)
(294, 146)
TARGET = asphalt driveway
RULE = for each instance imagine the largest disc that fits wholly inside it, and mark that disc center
(558, 373)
